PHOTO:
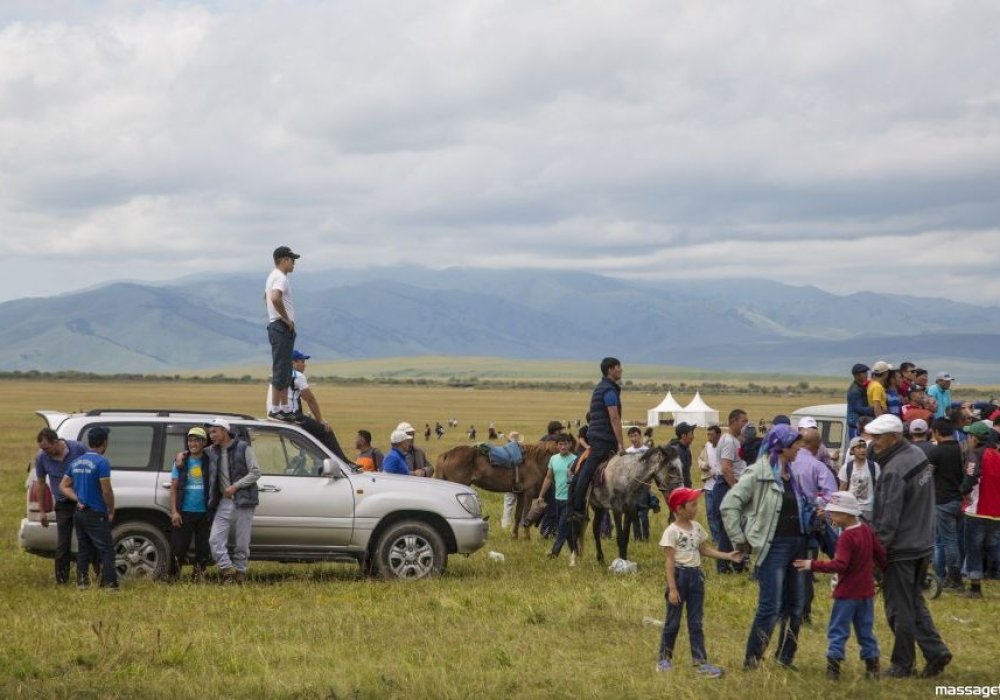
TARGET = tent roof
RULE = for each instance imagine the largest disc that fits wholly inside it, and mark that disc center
(697, 404)
(668, 405)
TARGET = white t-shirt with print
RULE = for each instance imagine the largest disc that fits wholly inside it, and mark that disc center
(686, 543)
(278, 280)
(861, 483)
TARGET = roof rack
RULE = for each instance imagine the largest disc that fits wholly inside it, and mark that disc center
(167, 412)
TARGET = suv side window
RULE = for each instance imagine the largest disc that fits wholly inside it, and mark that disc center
(286, 453)
(130, 446)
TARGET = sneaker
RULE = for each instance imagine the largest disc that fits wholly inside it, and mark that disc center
(751, 663)
(707, 670)
(936, 665)
(241, 577)
(899, 672)
(664, 665)
(282, 416)
(228, 576)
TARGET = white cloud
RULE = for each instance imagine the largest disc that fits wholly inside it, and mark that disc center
(781, 139)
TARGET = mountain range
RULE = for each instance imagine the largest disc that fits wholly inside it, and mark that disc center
(216, 321)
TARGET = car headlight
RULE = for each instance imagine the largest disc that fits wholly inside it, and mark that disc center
(470, 502)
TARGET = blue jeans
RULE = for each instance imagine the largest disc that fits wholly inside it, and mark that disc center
(780, 595)
(982, 535)
(94, 543)
(712, 513)
(691, 587)
(862, 614)
(600, 451)
(946, 526)
(282, 340)
(561, 510)
(719, 492)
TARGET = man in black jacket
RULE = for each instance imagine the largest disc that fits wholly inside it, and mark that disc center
(904, 522)
(684, 437)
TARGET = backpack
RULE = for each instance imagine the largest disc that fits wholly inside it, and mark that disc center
(871, 472)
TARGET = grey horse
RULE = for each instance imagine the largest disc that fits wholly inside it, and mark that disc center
(624, 479)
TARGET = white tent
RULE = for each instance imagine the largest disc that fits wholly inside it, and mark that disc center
(668, 405)
(697, 413)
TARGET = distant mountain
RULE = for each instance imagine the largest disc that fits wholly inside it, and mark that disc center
(736, 325)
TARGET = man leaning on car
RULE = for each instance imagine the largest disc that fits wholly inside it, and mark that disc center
(54, 455)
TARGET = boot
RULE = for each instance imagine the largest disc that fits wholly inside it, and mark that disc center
(955, 580)
(872, 670)
(832, 669)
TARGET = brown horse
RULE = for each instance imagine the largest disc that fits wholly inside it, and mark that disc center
(466, 465)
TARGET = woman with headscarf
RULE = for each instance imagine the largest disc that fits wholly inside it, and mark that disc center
(762, 513)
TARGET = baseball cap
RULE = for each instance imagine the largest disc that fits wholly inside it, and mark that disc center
(859, 368)
(683, 428)
(405, 427)
(219, 423)
(807, 422)
(284, 251)
(881, 367)
(918, 425)
(855, 441)
(682, 495)
(398, 436)
(979, 430)
(198, 433)
(299, 355)
(945, 376)
(843, 502)
(884, 424)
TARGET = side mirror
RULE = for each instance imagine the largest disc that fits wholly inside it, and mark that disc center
(330, 469)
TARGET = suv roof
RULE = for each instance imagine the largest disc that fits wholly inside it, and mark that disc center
(164, 412)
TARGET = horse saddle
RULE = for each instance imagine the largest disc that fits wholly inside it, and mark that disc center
(504, 456)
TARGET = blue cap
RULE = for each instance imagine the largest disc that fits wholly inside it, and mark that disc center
(860, 367)
(298, 355)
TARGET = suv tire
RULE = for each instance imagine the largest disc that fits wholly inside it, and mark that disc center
(410, 550)
(141, 550)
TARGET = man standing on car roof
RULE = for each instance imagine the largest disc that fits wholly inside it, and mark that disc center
(88, 482)
(54, 455)
(233, 472)
(281, 328)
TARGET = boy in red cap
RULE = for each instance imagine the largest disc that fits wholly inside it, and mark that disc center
(684, 543)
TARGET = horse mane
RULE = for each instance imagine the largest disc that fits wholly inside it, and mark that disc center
(540, 450)
(669, 453)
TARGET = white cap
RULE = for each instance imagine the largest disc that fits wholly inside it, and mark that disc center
(918, 425)
(843, 502)
(220, 423)
(514, 436)
(886, 423)
(405, 427)
(881, 367)
(807, 422)
(945, 377)
(399, 436)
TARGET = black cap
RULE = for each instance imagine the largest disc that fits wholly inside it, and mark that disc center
(285, 252)
(683, 428)
(859, 368)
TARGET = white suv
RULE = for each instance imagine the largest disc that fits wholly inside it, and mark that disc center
(313, 507)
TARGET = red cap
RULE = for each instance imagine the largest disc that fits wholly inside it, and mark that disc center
(679, 497)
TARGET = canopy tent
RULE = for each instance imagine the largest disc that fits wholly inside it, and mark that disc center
(668, 405)
(697, 413)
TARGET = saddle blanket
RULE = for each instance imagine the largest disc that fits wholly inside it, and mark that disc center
(504, 456)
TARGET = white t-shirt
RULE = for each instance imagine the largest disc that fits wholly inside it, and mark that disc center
(299, 384)
(713, 466)
(686, 543)
(861, 483)
(278, 280)
(729, 448)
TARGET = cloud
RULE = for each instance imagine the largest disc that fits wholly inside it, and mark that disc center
(774, 139)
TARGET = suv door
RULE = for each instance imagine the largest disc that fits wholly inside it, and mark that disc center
(298, 508)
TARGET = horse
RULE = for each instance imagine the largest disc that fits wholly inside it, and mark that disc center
(624, 479)
(466, 465)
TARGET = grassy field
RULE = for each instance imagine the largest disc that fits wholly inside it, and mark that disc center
(527, 627)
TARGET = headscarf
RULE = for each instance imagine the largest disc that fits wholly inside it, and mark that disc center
(778, 438)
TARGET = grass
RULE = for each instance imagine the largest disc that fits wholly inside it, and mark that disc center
(526, 627)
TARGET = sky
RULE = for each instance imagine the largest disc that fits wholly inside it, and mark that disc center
(849, 145)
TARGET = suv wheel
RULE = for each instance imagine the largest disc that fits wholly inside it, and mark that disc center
(410, 550)
(141, 550)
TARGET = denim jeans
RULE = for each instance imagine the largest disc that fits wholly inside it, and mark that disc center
(691, 586)
(779, 596)
(719, 492)
(600, 451)
(282, 340)
(94, 543)
(946, 526)
(712, 514)
(906, 611)
(562, 508)
(982, 535)
(860, 613)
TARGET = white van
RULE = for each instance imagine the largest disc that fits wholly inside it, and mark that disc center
(831, 419)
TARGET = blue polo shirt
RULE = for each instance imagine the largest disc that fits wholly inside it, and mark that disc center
(395, 463)
(943, 398)
(86, 473)
(54, 469)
